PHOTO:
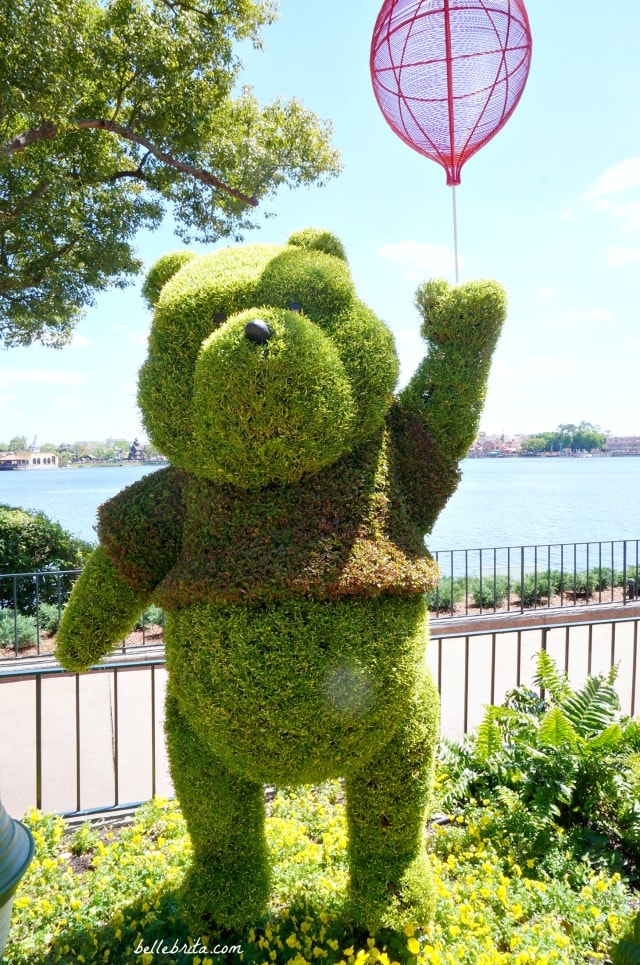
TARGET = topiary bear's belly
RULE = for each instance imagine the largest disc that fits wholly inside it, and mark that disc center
(301, 690)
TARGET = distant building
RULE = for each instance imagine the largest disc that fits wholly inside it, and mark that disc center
(623, 445)
(137, 452)
(30, 459)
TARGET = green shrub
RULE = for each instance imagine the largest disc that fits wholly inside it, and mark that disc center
(490, 592)
(17, 630)
(448, 593)
(535, 587)
(29, 543)
(577, 584)
(568, 763)
(49, 617)
(152, 616)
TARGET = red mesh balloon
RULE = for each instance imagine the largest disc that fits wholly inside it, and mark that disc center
(447, 74)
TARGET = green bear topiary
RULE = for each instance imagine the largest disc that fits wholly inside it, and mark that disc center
(286, 546)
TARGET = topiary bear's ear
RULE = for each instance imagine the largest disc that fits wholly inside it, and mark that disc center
(318, 240)
(161, 271)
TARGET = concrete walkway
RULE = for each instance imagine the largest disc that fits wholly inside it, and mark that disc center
(72, 743)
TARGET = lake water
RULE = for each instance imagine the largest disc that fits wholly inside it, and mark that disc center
(499, 502)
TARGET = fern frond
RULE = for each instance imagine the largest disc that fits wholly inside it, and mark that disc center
(593, 708)
(551, 679)
(488, 736)
(556, 730)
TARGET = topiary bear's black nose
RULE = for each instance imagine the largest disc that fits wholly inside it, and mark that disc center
(257, 331)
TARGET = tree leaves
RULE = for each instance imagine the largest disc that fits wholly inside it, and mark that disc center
(110, 112)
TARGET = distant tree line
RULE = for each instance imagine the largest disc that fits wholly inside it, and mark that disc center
(582, 438)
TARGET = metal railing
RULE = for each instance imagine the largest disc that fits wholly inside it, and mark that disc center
(473, 582)
(79, 745)
(540, 575)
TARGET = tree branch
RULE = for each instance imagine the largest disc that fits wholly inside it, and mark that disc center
(22, 141)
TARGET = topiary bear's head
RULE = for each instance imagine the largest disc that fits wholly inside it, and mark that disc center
(263, 365)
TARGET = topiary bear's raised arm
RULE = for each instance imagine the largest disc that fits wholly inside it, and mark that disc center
(437, 415)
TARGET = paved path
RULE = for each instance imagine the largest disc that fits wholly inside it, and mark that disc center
(107, 726)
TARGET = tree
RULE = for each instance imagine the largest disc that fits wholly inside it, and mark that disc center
(31, 542)
(17, 444)
(112, 112)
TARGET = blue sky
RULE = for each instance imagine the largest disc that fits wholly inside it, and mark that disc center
(550, 208)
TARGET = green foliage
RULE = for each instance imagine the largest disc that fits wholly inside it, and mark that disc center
(121, 897)
(49, 616)
(102, 610)
(160, 272)
(297, 421)
(84, 840)
(152, 616)
(449, 591)
(535, 587)
(584, 437)
(318, 240)
(100, 138)
(17, 630)
(627, 951)
(490, 592)
(341, 692)
(462, 325)
(30, 542)
(563, 764)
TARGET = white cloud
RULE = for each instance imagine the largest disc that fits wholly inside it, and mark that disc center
(420, 260)
(580, 316)
(42, 377)
(138, 340)
(536, 368)
(619, 256)
(628, 214)
(618, 178)
(543, 293)
(79, 341)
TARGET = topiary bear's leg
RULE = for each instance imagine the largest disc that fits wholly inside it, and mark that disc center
(390, 879)
(228, 882)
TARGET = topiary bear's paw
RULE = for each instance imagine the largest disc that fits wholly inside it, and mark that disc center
(216, 897)
(101, 610)
(376, 902)
(468, 317)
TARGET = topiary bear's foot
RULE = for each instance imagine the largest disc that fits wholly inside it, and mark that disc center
(227, 884)
(217, 897)
(376, 902)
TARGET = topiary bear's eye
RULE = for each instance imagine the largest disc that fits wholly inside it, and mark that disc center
(220, 317)
(295, 307)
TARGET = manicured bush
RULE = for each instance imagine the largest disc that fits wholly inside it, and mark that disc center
(17, 630)
(286, 545)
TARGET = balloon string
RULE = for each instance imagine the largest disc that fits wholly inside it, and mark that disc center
(455, 229)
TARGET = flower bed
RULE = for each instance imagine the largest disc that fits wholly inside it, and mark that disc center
(102, 895)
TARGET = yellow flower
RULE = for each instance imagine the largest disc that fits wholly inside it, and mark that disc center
(413, 945)
(409, 931)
